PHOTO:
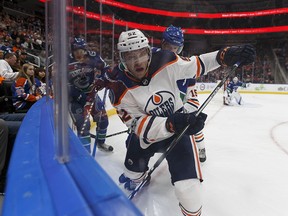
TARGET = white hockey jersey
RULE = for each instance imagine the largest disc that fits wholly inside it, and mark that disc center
(144, 105)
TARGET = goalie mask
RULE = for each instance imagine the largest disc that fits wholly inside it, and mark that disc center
(235, 80)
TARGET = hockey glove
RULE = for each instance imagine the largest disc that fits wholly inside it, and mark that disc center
(99, 84)
(176, 122)
(244, 54)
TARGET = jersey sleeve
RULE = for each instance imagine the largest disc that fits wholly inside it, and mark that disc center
(195, 66)
(191, 100)
(149, 129)
(4, 71)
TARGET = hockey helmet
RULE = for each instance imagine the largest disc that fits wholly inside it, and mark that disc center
(174, 35)
(132, 40)
(78, 43)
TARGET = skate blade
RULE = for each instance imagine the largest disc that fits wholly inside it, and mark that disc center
(107, 148)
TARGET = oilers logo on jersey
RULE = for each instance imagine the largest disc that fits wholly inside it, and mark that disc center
(160, 104)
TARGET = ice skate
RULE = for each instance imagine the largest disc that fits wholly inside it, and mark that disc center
(131, 184)
(104, 147)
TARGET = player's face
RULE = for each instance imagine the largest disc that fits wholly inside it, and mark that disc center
(79, 54)
(137, 62)
(170, 47)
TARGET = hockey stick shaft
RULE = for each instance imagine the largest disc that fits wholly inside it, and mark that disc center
(88, 114)
(179, 136)
(104, 101)
(110, 135)
(86, 118)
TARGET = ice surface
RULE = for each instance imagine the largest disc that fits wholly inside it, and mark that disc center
(246, 172)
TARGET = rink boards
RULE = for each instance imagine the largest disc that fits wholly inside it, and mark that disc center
(39, 185)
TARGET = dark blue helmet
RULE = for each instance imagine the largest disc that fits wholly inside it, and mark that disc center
(174, 36)
(79, 43)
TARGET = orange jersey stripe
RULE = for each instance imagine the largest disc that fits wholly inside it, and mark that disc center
(199, 136)
(141, 125)
(198, 67)
(194, 102)
(197, 161)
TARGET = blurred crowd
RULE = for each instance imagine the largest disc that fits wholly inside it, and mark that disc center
(24, 36)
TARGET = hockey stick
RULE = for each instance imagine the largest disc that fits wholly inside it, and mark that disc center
(86, 118)
(179, 136)
(110, 135)
(89, 112)
(104, 101)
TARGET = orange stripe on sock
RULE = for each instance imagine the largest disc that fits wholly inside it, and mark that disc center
(197, 161)
(188, 213)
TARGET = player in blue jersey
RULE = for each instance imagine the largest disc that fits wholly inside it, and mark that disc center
(231, 91)
(144, 90)
(173, 40)
(85, 67)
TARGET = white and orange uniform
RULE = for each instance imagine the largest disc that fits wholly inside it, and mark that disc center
(145, 105)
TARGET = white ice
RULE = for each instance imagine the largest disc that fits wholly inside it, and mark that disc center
(246, 172)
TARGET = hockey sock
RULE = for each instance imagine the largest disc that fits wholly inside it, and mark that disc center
(86, 142)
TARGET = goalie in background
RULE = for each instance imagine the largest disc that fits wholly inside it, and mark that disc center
(231, 91)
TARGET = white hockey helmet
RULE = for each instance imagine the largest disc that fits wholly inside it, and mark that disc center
(235, 79)
(132, 40)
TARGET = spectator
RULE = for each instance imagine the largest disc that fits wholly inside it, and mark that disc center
(1, 54)
(40, 81)
(23, 58)
(9, 126)
(24, 89)
(6, 65)
(27, 44)
(3, 149)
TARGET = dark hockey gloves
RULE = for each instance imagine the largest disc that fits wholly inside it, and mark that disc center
(176, 122)
(100, 83)
(244, 54)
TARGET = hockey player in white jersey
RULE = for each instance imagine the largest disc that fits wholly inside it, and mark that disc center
(232, 93)
(143, 89)
(173, 40)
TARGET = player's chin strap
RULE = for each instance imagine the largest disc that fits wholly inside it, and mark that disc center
(179, 136)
